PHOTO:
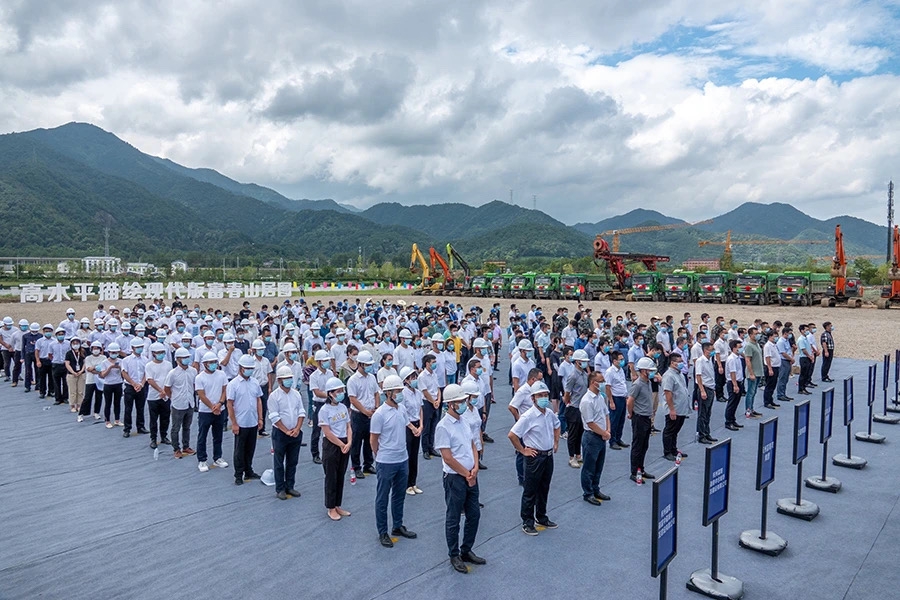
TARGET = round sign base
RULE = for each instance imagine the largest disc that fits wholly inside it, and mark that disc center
(872, 438)
(773, 545)
(723, 588)
(894, 408)
(850, 462)
(806, 510)
(886, 418)
(829, 484)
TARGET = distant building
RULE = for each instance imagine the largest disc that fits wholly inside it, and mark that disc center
(106, 265)
(179, 266)
(63, 268)
(140, 268)
(711, 264)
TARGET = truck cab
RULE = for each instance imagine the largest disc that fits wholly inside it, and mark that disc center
(522, 285)
(547, 286)
(646, 286)
(571, 286)
(715, 286)
(681, 286)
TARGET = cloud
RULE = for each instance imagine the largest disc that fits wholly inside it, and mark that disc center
(685, 106)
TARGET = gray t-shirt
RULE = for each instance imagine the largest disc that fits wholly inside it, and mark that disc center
(576, 384)
(673, 381)
(643, 397)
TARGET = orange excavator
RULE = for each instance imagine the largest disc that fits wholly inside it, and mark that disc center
(847, 291)
(891, 294)
(448, 285)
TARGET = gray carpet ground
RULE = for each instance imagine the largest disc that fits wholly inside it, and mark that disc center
(88, 514)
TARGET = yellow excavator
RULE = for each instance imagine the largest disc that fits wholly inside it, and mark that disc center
(427, 286)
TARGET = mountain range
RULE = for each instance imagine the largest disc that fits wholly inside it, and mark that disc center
(61, 188)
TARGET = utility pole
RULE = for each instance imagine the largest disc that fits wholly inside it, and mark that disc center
(890, 216)
(534, 200)
(106, 242)
(510, 196)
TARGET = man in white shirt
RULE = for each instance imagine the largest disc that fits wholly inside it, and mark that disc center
(158, 403)
(595, 419)
(772, 360)
(705, 380)
(536, 436)
(210, 387)
(317, 381)
(262, 373)
(180, 389)
(388, 440)
(431, 408)
(244, 397)
(286, 414)
(135, 392)
(616, 389)
(734, 376)
(362, 389)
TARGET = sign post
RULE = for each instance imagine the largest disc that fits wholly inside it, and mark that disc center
(848, 460)
(894, 406)
(798, 507)
(710, 582)
(664, 539)
(868, 435)
(885, 384)
(762, 540)
(825, 483)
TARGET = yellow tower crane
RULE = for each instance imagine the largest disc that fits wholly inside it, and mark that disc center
(648, 228)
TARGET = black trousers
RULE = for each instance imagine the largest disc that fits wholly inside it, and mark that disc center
(720, 383)
(640, 439)
(265, 406)
(431, 415)
(538, 473)
(575, 430)
(112, 397)
(460, 498)
(244, 447)
(316, 430)
(159, 417)
(360, 424)
(486, 410)
(92, 397)
(334, 463)
(412, 450)
(704, 410)
(771, 386)
(30, 375)
(134, 399)
(670, 434)
(8, 359)
(60, 388)
(45, 377)
(286, 456)
(806, 371)
(826, 364)
(734, 398)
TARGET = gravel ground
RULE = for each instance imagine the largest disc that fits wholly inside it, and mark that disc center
(865, 333)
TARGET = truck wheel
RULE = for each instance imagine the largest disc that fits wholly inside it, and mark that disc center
(629, 297)
(882, 303)
(804, 300)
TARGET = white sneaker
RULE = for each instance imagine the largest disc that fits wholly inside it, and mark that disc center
(73, 409)
(410, 491)
(203, 467)
(119, 424)
(109, 425)
(221, 463)
(97, 417)
(417, 490)
(80, 419)
(573, 462)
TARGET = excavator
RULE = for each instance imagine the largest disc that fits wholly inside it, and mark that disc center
(847, 291)
(427, 286)
(891, 295)
(448, 286)
(466, 284)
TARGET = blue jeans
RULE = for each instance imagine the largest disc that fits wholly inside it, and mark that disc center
(391, 482)
(593, 451)
(752, 385)
(617, 420)
(207, 422)
(784, 374)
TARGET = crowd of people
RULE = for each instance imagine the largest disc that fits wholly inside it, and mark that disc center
(381, 385)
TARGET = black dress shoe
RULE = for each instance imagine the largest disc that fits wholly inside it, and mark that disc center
(251, 476)
(293, 492)
(142, 431)
(473, 558)
(712, 439)
(385, 540)
(153, 444)
(602, 496)
(481, 466)
(669, 457)
(317, 460)
(547, 524)
(487, 439)
(704, 440)
(126, 434)
(458, 565)
(281, 496)
(435, 454)
(238, 481)
(812, 385)
(623, 444)
(731, 427)
(649, 476)
(360, 474)
(426, 456)
(593, 500)
(402, 531)
(683, 454)
(165, 441)
(369, 470)
(738, 425)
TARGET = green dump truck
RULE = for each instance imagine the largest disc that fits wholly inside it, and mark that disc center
(756, 287)
(522, 285)
(571, 286)
(481, 284)
(547, 286)
(647, 286)
(499, 286)
(680, 286)
(802, 287)
(715, 286)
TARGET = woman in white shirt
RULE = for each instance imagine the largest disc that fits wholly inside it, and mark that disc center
(413, 400)
(334, 420)
(387, 368)
(93, 385)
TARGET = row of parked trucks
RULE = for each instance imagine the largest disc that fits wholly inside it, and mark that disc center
(801, 288)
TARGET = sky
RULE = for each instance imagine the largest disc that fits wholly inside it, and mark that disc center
(689, 107)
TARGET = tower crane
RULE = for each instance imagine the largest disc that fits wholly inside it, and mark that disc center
(728, 243)
(615, 233)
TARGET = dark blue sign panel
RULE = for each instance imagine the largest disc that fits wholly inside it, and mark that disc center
(718, 469)
(887, 369)
(801, 431)
(765, 457)
(827, 415)
(848, 401)
(664, 543)
(873, 384)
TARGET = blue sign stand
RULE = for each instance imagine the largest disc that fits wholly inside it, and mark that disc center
(825, 483)
(664, 538)
(710, 582)
(885, 417)
(868, 435)
(798, 507)
(848, 460)
(761, 540)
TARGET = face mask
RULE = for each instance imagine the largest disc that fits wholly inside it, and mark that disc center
(543, 402)
(449, 347)
(95, 351)
(462, 408)
(60, 337)
(740, 350)
(48, 335)
(622, 362)
(398, 398)
(812, 330)
(186, 361)
(370, 369)
(138, 351)
(418, 343)
(268, 338)
(220, 336)
(389, 363)
(338, 397)
(430, 367)
(712, 352)
(439, 346)
(180, 328)
(414, 384)
(245, 373)
(479, 371)
(76, 346)
(113, 328)
(656, 355)
(288, 383)
(159, 356)
(584, 364)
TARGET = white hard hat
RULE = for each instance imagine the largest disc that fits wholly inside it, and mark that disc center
(524, 345)
(126, 325)
(454, 393)
(113, 347)
(96, 344)
(34, 327)
(392, 382)
(369, 333)
(182, 353)
(258, 344)
(228, 337)
(645, 363)
(186, 336)
(85, 321)
(140, 327)
(322, 355)
(210, 334)
(333, 383)
(7, 320)
(365, 357)
(470, 388)
(60, 329)
(247, 361)
(289, 347)
(406, 372)
(283, 372)
(70, 311)
(539, 387)
(437, 338)
(23, 322)
(209, 357)
(480, 343)
(405, 334)
(157, 347)
(137, 343)
(268, 477)
(579, 355)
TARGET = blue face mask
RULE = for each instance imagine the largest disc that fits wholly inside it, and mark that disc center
(622, 362)
(370, 369)
(389, 363)
(339, 397)
(543, 402)
(326, 364)
(293, 356)
(414, 384)
(479, 371)
(288, 383)
(186, 362)
(211, 367)
(23, 327)
(138, 351)
(584, 364)
(462, 408)
(484, 351)
(160, 356)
